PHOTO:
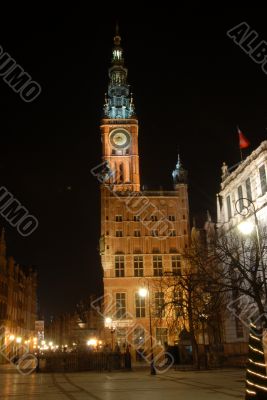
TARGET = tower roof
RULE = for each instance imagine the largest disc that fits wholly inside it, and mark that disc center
(118, 101)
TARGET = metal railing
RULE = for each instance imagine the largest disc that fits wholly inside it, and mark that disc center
(94, 361)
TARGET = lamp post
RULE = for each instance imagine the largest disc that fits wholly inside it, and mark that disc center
(203, 318)
(246, 227)
(144, 292)
(110, 324)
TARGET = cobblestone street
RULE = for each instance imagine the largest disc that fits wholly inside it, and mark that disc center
(137, 385)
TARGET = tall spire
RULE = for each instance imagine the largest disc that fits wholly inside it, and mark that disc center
(179, 174)
(118, 104)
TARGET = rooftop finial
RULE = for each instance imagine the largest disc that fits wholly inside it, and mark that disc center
(117, 38)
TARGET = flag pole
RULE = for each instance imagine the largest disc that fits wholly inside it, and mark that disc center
(240, 149)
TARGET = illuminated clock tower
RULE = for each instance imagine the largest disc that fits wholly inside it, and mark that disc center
(143, 233)
(119, 128)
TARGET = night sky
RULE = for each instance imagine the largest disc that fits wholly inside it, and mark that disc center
(192, 85)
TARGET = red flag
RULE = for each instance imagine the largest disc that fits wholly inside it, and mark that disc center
(243, 141)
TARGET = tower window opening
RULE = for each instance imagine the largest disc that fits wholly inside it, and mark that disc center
(117, 54)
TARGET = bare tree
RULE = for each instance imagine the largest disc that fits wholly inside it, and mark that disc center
(239, 264)
(191, 296)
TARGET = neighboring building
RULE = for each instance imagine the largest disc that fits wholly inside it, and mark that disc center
(77, 327)
(18, 303)
(143, 233)
(247, 180)
(39, 332)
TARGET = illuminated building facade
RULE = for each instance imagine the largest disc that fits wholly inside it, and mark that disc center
(18, 304)
(248, 181)
(143, 233)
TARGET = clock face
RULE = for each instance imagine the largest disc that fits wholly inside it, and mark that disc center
(120, 138)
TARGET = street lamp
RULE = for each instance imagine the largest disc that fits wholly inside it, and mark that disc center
(243, 207)
(144, 292)
(110, 324)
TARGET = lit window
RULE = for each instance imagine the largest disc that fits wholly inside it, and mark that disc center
(172, 232)
(140, 306)
(154, 232)
(117, 54)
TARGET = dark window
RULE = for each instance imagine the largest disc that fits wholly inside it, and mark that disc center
(171, 217)
(178, 303)
(138, 266)
(157, 265)
(176, 265)
(172, 232)
(248, 188)
(239, 328)
(154, 218)
(162, 336)
(118, 233)
(118, 218)
(159, 304)
(229, 210)
(120, 305)
(263, 179)
(240, 198)
(139, 336)
(119, 266)
(137, 233)
(154, 232)
(136, 217)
